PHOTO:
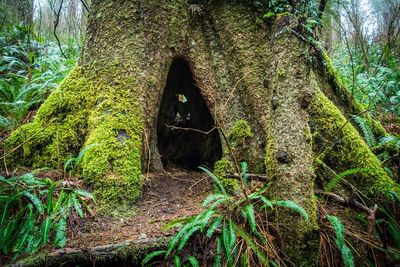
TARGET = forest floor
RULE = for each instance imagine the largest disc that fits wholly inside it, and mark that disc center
(166, 196)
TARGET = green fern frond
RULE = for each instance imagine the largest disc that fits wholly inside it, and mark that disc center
(215, 178)
(60, 239)
(248, 213)
(151, 256)
(186, 237)
(366, 130)
(178, 222)
(339, 177)
(243, 166)
(212, 198)
(265, 201)
(193, 261)
(291, 205)
(338, 227)
(177, 237)
(35, 201)
(177, 261)
(214, 226)
(250, 242)
(45, 232)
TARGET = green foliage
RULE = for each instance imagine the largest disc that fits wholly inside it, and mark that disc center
(227, 223)
(347, 256)
(29, 70)
(389, 223)
(366, 130)
(71, 164)
(377, 86)
(339, 177)
(32, 209)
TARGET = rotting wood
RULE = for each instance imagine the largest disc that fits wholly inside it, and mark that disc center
(134, 250)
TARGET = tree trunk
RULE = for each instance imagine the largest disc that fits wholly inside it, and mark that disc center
(288, 94)
(23, 10)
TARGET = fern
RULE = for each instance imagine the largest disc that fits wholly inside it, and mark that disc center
(243, 166)
(339, 177)
(151, 256)
(216, 180)
(291, 205)
(366, 130)
(346, 253)
(177, 261)
(31, 208)
(248, 212)
(193, 261)
(228, 220)
(60, 238)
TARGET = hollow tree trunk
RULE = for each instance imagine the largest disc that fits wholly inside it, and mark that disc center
(292, 101)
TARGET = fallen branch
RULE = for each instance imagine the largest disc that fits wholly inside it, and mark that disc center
(107, 254)
(250, 176)
(351, 203)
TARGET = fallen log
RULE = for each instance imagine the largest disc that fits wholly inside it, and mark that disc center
(127, 253)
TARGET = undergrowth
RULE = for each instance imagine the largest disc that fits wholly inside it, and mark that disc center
(29, 70)
(35, 211)
(232, 230)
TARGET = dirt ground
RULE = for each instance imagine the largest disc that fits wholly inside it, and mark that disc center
(166, 196)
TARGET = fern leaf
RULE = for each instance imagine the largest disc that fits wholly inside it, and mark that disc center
(338, 178)
(60, 239)
(216, 180)
(291, 205)
(250, 242)
(186, 237)
(177, 237)
(347, 256)
(218, 258)
(193, 261)
(243, 166)
(177, 261)
(77, 205)
(152, 255)
(225, 240)
(177, 222)
(265, 201)
(45, 232)
(84, 193)
(214, 226)
(212, 198)
(248, 213)
(50, 197)
(338, 227)
(366, 130)
(204, 220)
(35, 201)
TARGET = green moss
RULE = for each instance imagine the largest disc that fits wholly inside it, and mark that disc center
(344, 148)
(80, 113)
(340, 88)
(223, 168)
(239, 133)
(54, 134)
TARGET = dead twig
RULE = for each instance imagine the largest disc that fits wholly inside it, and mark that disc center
(251, 176)
(190, 129)
(350, 203)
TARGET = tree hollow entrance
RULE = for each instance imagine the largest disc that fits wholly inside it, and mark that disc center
(183, 120)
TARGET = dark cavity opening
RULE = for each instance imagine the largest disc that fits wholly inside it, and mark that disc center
(183, 106)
